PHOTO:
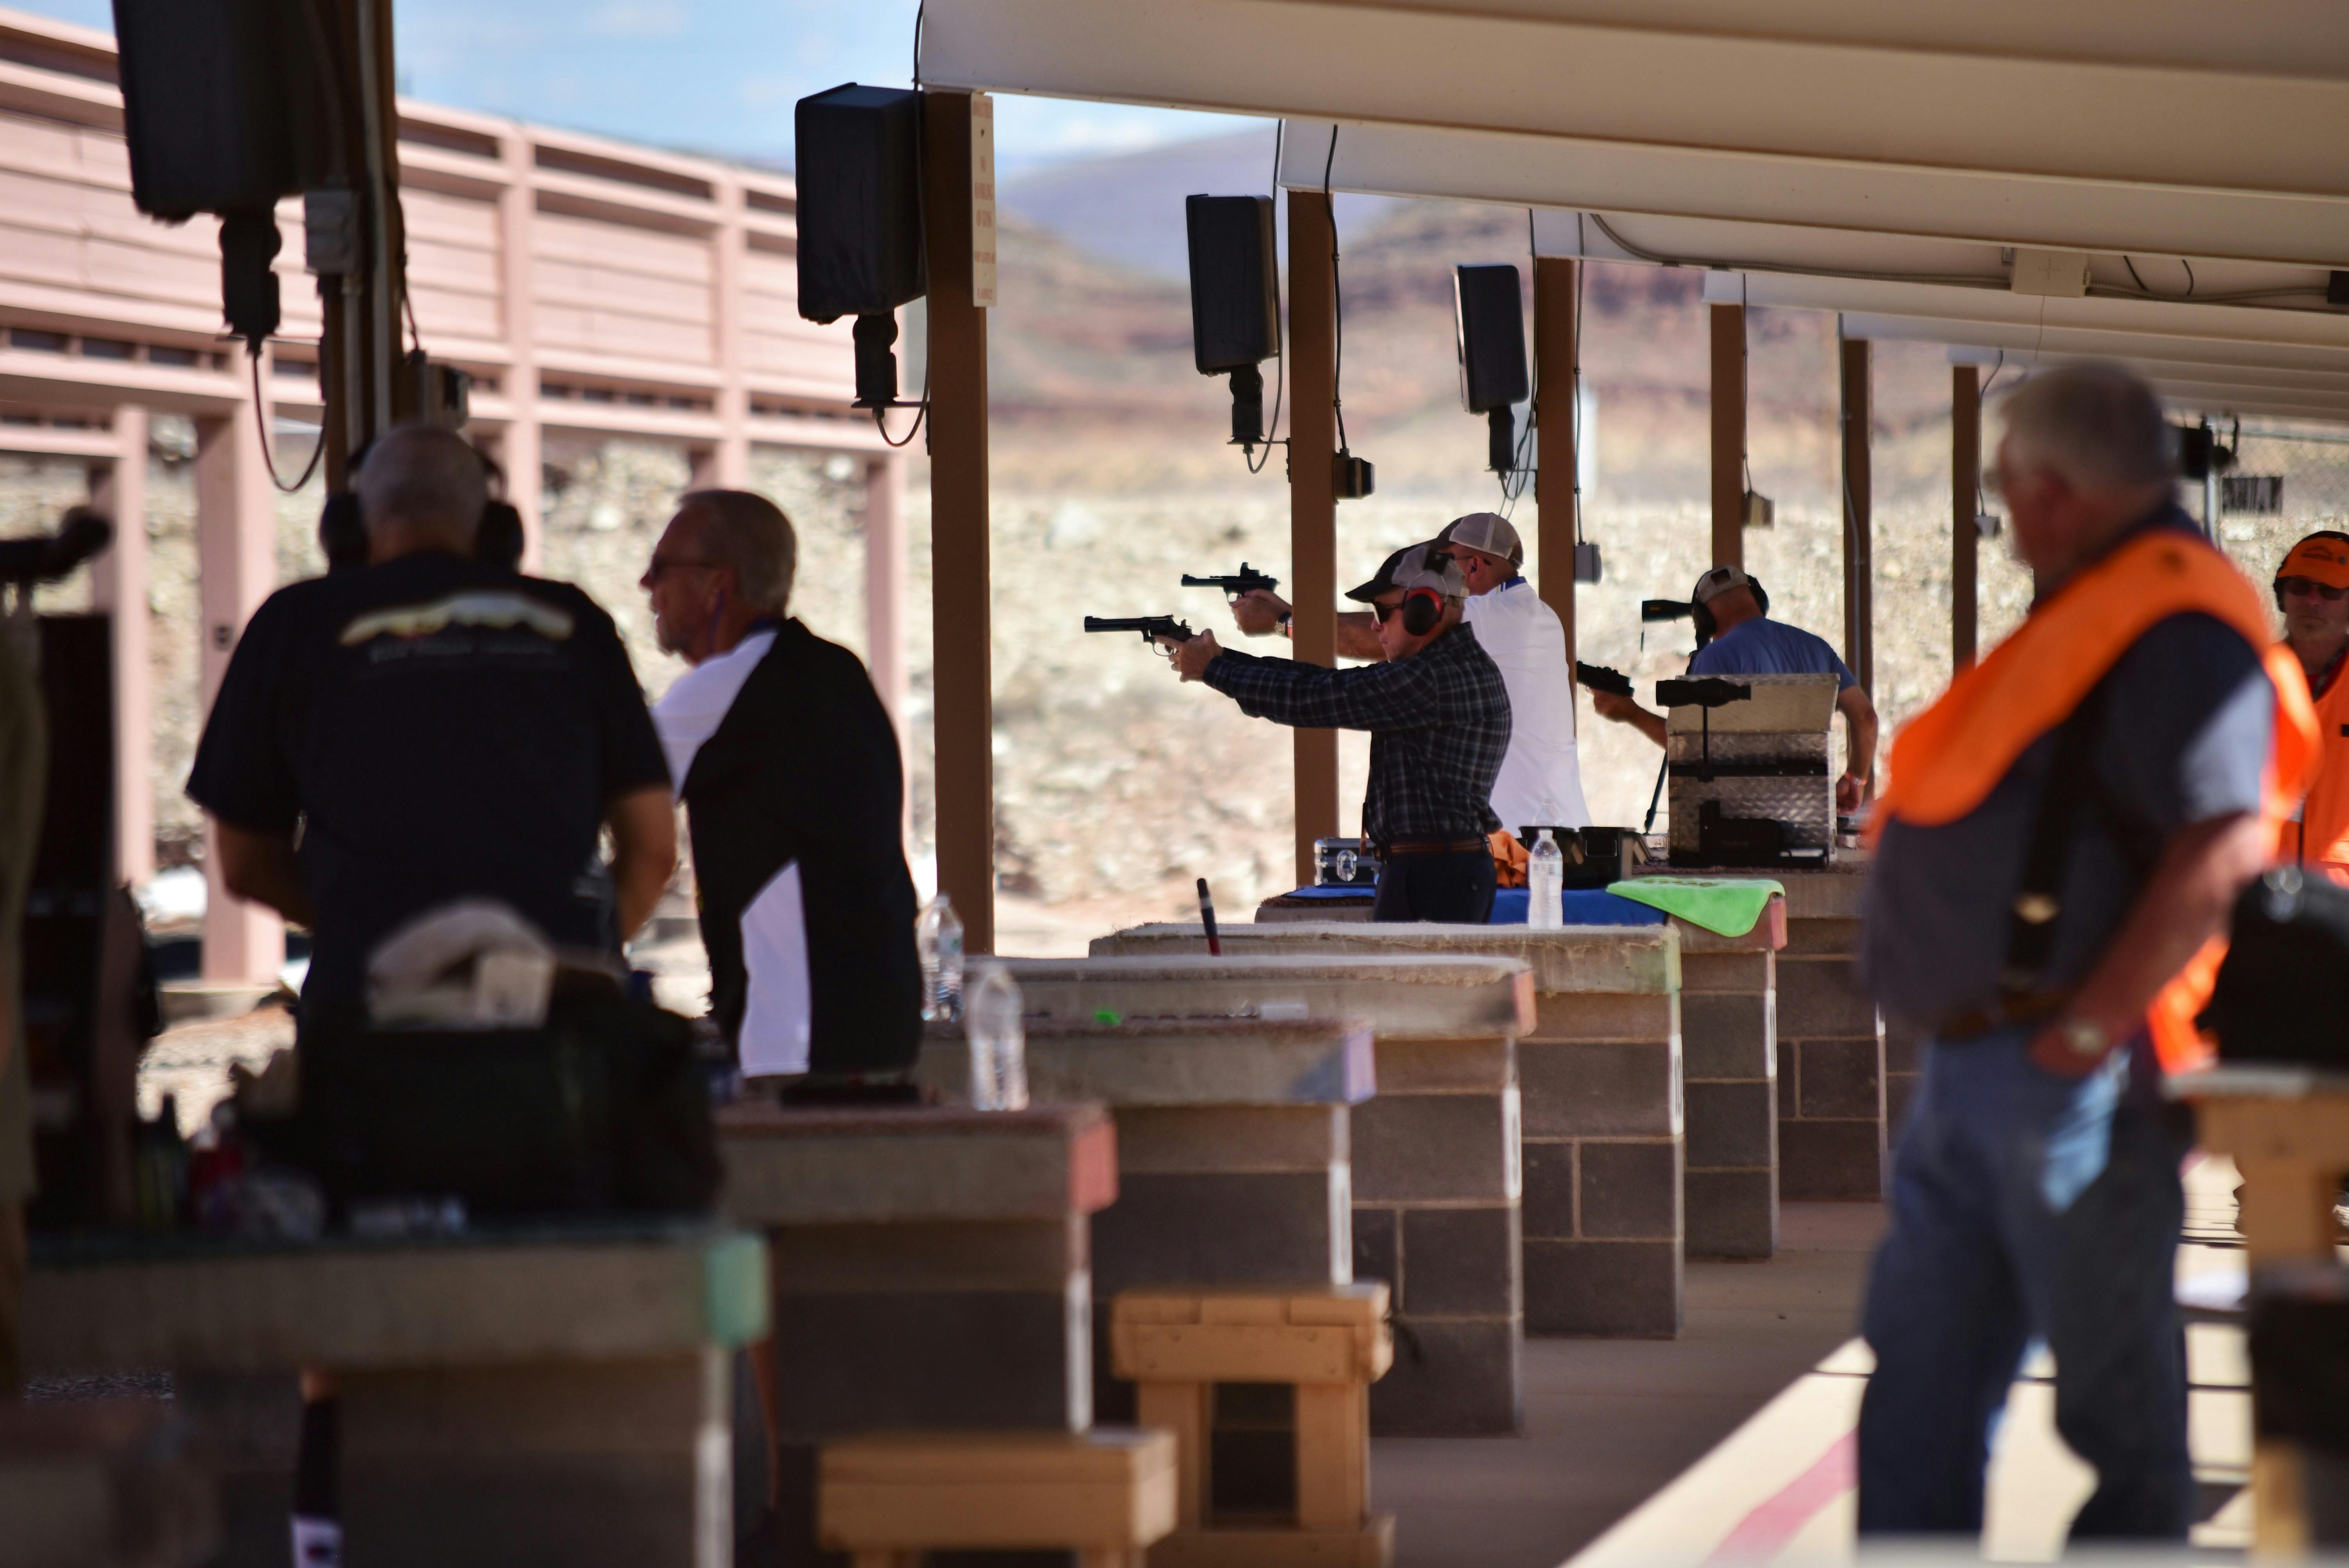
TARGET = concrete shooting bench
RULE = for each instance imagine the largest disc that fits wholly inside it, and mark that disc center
(1842, 1081)
(931, 1270)
(554, 1393)
(1233, 1139)
(2287, 1130)
(1434, 1154)
(1602, 1127)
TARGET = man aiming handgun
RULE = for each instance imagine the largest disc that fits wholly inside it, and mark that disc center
(1541, 781)
(1438, 715)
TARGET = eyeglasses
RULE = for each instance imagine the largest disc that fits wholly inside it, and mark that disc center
(658, 569)
(2302, 587)
(1384, 611)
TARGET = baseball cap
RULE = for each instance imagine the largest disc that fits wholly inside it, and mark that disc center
(1487, 531)
(1427, 565)
(2321, 558)
(1717, 582)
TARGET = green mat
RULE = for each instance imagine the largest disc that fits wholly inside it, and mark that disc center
(1729, 905)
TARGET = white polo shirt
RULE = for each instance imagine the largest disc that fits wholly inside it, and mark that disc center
(1541, 778)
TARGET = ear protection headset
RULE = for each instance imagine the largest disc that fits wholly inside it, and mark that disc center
(2276, 587)
(1423, 606)
(341, 526)
(1707, 628)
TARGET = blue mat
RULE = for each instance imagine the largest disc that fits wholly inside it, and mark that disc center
(1584, 906)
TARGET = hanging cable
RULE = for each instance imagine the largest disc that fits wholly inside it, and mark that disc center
(1280, 330)
(261, 423)
(1514, 483)
(1337, 304)
(922, 229)
(1574, 391)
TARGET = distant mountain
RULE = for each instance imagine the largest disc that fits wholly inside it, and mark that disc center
(1129, 208)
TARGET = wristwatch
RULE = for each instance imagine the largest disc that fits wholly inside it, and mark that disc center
(2088, 1041)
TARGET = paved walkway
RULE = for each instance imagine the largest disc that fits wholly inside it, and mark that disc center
(1733, 1444)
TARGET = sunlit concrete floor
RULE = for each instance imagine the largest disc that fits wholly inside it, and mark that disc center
(1609, 1422)
(1734, 1444)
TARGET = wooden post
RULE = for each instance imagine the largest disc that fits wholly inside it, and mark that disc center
(520, 448)
(1312, 497)
(1558, 382)
(963, 698)
(1965, 543)
(1859, 531)
(1728, 435)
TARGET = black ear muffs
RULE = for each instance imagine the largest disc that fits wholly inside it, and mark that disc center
(497, 541)
(342, 532)
(1421, 609)
(1761, 597)
(1705, 624)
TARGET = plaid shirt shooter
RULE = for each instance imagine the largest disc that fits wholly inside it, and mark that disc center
(1439, 724)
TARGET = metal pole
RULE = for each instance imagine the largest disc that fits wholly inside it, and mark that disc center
(1312, 497)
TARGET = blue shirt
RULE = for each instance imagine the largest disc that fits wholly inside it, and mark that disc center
(1763, 646)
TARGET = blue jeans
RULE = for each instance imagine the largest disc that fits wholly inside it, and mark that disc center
(1454, 888)
(2027, 1204)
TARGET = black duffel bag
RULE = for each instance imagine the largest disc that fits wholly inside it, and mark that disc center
(603, 1109)
(2282, 994)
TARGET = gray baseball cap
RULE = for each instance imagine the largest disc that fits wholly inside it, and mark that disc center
(1427, 565)
(1486, 532)
(1717, 582)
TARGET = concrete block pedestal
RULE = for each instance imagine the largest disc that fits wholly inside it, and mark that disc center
(1436, 1182)
(1834, 1127)
(931, 1271)
(504, 1398)
(1729, 1076)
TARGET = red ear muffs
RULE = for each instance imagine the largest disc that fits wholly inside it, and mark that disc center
(1421, 609)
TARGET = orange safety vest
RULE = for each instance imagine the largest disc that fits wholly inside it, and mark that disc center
(2321, 837)
(1947, 759)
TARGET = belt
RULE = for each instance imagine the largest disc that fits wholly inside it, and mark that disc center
(1432, 847)
(2011, 1008)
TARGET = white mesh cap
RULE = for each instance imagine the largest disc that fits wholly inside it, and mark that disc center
(1487, 531)
(1717, 582)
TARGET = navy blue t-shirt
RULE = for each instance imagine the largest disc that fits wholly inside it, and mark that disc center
(438, 728)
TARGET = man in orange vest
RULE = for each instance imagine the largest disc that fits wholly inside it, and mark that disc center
(2060, 841)
(2311, 589)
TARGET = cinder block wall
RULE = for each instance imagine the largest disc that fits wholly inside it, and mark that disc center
(1831, 1045)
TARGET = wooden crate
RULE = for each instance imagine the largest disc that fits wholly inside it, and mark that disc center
(1106, 1494)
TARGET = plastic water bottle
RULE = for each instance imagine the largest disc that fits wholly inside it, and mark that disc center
(1544, 884)
(999, 1042)
(937, 937)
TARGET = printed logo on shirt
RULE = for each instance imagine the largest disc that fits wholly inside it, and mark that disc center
(498, 610)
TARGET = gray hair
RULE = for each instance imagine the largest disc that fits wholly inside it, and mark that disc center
(425, 476)
(750, 534)
(2096, 425)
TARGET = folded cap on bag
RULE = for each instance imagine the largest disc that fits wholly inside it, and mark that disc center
(2318, 559)
(1717, 582)
(1427, 565)
(1485, 532)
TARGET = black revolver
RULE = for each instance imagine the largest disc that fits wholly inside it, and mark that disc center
(1598, 677)
(1152, 628)
(1247, 579)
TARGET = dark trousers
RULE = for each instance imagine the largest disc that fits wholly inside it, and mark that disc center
(1454, 888)
(2027, 1204)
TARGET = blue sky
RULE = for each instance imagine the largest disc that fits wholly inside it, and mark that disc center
(710, 76)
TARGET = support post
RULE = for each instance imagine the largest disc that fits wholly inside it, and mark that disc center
(236, 567)
(119, 587)
(1859, 531)
(519, 448)
(963, 699)
(1312, 497)
(1965, 540)
(884, 604)
(1557, 383)
(1728, 435)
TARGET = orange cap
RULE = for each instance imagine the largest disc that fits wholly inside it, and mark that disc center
(2319, 560)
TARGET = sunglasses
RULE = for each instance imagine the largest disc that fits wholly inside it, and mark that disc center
(1384, 611)
(659, 568)
(2302, 587)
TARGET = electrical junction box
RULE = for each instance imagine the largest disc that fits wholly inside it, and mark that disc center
(2058, 274)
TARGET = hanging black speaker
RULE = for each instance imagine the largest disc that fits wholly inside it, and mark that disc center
(860, 202)
(1489, 325)
(1234, 299)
